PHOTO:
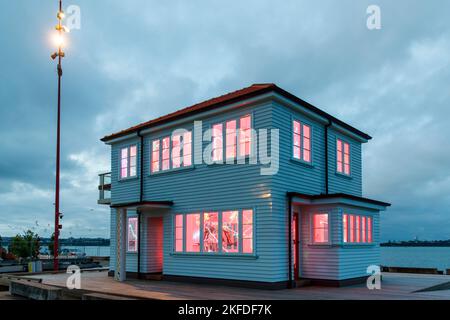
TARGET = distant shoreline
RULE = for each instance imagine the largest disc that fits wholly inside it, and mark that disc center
(435, 244)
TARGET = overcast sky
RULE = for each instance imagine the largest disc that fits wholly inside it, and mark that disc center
(135, 60)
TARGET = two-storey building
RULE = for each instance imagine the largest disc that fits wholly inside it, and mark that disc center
(256, 187)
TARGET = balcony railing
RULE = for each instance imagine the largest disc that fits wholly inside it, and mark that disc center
(104, 188)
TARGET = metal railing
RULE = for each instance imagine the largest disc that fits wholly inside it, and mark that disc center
(104, 188)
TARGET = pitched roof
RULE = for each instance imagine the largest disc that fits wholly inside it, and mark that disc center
(235, 96)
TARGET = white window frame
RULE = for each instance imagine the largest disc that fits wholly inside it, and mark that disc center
(137, 234)
(343, 141)
(352, 243)
(128, 162)
(182, 153)
(301, 123)
(220, 224)
(311, 223)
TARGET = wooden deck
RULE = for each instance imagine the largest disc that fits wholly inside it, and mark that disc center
(395, 286)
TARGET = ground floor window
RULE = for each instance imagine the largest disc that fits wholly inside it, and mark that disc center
(320, 227)
(228, 231)
(357, 228)
(132, 234)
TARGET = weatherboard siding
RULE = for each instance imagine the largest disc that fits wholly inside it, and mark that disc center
(224, 187)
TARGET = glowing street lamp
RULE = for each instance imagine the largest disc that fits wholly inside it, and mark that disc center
(59, 42)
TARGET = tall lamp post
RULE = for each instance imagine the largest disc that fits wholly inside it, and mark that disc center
(59, 54)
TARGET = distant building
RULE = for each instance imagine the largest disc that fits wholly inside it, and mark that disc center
(220, 221)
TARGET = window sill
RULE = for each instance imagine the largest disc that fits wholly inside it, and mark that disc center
(320, 245)
(214, 255)
(302, 162)
(128, 179)
(343, 175)
(172, 171)
(358, 245)
(238, 161)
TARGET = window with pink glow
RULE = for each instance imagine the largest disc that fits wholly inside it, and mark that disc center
(128, 162)
(345, 227)
(245, 135)
(343, 157)
(217, 142)
(155, 156)
(187, 149)
(124, 163)
(210, 232)
(369, 229)
(132, 234)
(133, 161)
(358, 228)
(320, 228)
(230, 139)
(165, 153)
(193, 232)
(176, 151)
(179, 233)
(297, 139)
(306, 147)
(352, 228)
(247, 231)
(230, 231)
(363, 229)
(301, 141)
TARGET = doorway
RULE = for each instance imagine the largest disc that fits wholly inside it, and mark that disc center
(295, 242)
(155, 245)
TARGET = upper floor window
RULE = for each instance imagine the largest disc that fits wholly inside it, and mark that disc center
(128, 161)
(357, 228)
(215, 231)
(343, 157)
(132, 234)
(302, 141)
(320, 229)
(235, 136)
(171, 152)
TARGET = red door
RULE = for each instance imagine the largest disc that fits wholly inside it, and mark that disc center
(295, 244)
(155, 244)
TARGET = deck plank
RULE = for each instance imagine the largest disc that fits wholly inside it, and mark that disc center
(395, 286)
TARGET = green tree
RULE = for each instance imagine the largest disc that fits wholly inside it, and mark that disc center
(26, 246)
(51, 245)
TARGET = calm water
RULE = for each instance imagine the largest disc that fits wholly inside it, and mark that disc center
(98, 251)
(418, 257)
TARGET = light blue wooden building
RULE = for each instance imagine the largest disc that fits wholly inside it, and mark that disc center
(254, 188)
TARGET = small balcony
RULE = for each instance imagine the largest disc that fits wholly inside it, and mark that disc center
(104, 188)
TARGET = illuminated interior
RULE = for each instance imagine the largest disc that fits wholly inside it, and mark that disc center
(193, 232)
(343, 157)
(245, 135)
(214, 228)
(231, 139)
(155, 155)
(128, 162)
(320, 228)
(217, 142)
(301, 141)
(211, 232)
(132, 234)
(357, 229)
(179, 233)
